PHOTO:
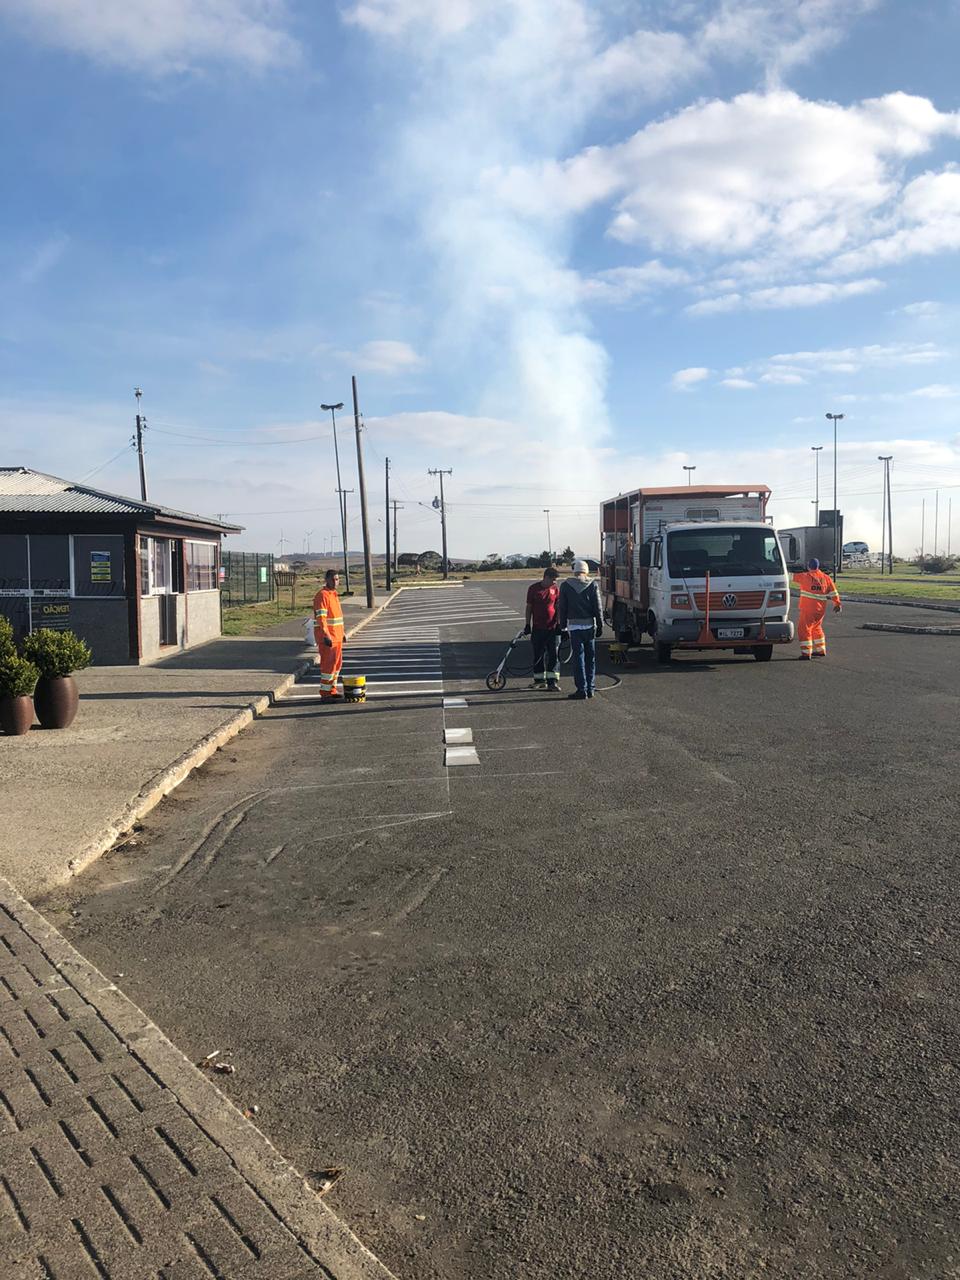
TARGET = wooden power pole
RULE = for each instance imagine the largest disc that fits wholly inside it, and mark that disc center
(386, 489)
(443, 517)
(141, 423)
(362, 485)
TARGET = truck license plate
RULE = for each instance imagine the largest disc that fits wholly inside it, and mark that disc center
(730, 633)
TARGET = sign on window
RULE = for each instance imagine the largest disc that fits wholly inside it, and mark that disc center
(100, 570)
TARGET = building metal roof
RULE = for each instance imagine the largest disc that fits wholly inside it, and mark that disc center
(26, 492)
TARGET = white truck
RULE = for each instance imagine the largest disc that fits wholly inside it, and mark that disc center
(695, 568)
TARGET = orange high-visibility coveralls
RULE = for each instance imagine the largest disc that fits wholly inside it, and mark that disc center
(328, 625)
(816, 588)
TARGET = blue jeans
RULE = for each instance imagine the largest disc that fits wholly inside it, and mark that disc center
(583, 656)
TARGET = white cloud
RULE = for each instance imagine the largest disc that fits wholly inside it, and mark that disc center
(684, 379)
(783, 378)
(784, 296)
(397, 17)
(622, 284)
(384, 356)
(936, 391)
(44, 258)
(854, 359)
(161, 36)
(922, 309)
(738, 384)
(774, 182)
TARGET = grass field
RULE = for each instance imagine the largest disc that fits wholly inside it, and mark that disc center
(906, 583)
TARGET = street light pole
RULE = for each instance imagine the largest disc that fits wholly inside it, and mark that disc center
(688, 470)
(816, 453)
(837, 550)
(546, 512)
(341, 495)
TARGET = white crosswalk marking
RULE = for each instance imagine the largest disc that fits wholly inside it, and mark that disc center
(399, 651)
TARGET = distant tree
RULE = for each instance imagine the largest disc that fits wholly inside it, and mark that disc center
(430, 560)
(567, 555)
(544, 559)
(407, 558)
(936, 564)
(533, 562)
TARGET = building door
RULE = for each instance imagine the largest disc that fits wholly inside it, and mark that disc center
(164, 575)
(168, 619)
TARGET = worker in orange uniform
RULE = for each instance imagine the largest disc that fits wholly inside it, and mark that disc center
(816, 588)
(328, 630)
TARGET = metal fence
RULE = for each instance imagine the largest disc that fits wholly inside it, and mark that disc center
(247, 577)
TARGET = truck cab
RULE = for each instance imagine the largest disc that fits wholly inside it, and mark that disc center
(695, 568)
(749, 594)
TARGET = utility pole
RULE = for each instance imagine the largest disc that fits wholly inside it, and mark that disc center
(141, 423)
(890, 516)
(949, 523)
(923, 528)
(362, 485)
(546, 512)
(936, 518)
(386, 490)
(689, 471)
(887, 530)
(816, 453)
(837, 547)
(396, 505)
(443, 517)
(283, 543)
(341, 495)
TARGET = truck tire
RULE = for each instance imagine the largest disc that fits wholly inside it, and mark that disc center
(664, 652)
(763, 652)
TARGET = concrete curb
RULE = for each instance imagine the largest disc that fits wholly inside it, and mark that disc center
(329, 1241)
(911, 631)
(170, 778)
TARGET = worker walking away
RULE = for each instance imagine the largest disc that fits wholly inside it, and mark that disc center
(542, 624)
(581, 613)
(816, 588)
(328, 630)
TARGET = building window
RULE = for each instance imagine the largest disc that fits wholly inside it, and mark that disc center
(703, 513)
(160, 566)
(201, 566)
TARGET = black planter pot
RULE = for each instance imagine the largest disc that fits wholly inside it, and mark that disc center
(16, 714)
(56, 700)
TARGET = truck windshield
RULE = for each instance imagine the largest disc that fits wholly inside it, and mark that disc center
(730, 553)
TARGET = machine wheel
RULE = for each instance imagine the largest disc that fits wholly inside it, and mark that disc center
(496, 681)
(763, 652)
(664, 652)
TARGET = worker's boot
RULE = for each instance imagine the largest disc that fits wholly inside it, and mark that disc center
(553, 686)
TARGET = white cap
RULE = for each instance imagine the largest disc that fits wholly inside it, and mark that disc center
(580, 566)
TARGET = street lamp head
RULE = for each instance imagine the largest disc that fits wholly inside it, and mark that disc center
(816, 447)
(332, 406)
(835, 417)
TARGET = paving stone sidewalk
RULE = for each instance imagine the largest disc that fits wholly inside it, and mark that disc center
(119, 1160)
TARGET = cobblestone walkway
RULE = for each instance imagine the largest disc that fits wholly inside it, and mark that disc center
(119, 1160)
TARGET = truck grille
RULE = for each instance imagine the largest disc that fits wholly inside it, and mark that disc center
(724, 600)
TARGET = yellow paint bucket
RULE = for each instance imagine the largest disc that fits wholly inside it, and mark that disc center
(355, 688)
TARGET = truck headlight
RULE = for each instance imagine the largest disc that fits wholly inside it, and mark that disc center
(679, 600)
(777, 597)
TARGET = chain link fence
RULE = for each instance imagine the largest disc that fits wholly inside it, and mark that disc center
(247, 577)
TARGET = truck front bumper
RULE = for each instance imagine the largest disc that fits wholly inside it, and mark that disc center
(685, 633)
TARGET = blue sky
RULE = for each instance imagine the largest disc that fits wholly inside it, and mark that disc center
(565, 247)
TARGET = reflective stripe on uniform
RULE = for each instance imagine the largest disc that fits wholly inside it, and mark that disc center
(814, 595)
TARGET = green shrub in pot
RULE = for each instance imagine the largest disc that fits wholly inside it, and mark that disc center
(6, 637)
(58, 654)
(18, 678)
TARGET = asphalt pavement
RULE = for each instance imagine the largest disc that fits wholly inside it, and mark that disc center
(663, 985)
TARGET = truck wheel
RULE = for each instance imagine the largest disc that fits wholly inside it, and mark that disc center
(763, 652)
(663, 652)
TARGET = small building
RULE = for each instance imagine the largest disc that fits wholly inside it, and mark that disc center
(137, 581)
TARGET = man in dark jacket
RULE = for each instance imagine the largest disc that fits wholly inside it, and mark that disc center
(542, 623)
(581, 613)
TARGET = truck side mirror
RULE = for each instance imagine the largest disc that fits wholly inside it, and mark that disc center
(645, 551)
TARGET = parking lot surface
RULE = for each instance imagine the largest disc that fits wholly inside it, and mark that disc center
(664, 984)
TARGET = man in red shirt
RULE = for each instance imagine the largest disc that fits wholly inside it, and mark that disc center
(543, 626)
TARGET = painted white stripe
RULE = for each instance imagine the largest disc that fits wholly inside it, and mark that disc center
(460, 755)
(457, 735)
(454, 702)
